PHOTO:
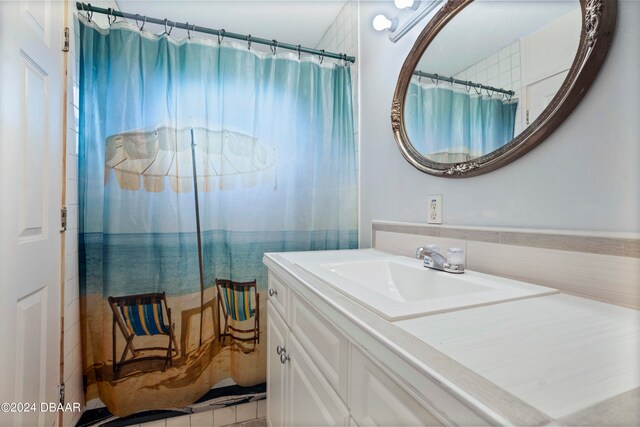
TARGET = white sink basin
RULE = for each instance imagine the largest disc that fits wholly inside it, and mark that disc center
(400, 287)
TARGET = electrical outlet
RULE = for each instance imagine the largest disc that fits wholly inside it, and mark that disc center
(435, 209)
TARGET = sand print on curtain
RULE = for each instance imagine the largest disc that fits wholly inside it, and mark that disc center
(274, 154)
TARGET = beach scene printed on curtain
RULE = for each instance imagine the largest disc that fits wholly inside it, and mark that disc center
(196, 158)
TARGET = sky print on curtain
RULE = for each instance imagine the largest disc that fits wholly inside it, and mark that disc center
(138, 235)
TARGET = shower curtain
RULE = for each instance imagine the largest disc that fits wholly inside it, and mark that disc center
(271, 141)
(448, 124)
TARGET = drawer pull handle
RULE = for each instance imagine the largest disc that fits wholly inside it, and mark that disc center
(273, 292)
(280, 350)
(284, 357)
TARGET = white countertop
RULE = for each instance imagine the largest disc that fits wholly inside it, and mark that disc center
(558, 353)
(554, 357)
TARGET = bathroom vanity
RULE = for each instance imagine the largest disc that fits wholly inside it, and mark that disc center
(356, 339)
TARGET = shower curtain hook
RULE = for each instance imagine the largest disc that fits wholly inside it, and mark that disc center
(274, 46)
(221, 35)
(109, 13)
(165, 26)
(249, 42)
(322, 56)
(478, 90)
(188, 32)
(89, 13)
(468, 86)
(299, 46)
(143, 23)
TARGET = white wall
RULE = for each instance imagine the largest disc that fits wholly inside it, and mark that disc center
(585, 176)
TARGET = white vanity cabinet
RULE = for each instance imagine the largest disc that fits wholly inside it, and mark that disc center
(313, 371)
(298, 392)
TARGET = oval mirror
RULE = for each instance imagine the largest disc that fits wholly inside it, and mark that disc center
(488, 80)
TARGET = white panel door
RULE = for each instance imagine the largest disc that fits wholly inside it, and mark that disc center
(30, 198)
(540, 94)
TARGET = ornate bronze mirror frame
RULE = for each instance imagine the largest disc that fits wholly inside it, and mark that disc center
(598, 23)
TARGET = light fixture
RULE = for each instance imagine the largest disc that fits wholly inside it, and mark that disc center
(419, 10)
(407, 4)
(381, 23)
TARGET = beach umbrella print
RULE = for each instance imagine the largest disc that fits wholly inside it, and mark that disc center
(189, 160)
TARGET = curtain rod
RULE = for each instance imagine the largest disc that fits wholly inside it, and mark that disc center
(464, 83)
(274, 44)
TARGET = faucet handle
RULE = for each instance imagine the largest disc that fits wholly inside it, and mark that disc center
(455, 260)
(420, 252)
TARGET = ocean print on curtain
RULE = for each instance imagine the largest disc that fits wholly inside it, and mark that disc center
(271, 141)
(451, 125)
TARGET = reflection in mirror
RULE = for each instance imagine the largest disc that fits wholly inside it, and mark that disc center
(488, 75)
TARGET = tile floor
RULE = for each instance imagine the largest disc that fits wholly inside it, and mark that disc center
(250, 414)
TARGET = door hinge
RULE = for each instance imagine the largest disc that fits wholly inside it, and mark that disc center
(63, 220)
(65, 48)
(61, 393)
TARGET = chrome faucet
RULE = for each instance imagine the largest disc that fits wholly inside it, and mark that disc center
(434, 260)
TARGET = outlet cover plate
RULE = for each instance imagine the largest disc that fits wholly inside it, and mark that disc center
(434, 209)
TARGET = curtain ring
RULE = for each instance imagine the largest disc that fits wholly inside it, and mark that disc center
(274, 46)
(322, 56)
(299, 46)
(249, 42)
(89, 13)
(221, 35)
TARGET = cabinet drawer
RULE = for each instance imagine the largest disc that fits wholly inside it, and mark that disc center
(326, 346)
(377, 400)
(278, 293)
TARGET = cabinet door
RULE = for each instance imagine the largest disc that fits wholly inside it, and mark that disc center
(276, 336)
(376, 400)
(311, 401)
(326, 346)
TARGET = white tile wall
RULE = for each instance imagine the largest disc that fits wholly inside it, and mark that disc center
(500, 70)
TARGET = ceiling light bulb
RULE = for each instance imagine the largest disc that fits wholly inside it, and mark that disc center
(403, 4)
(381, 23)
